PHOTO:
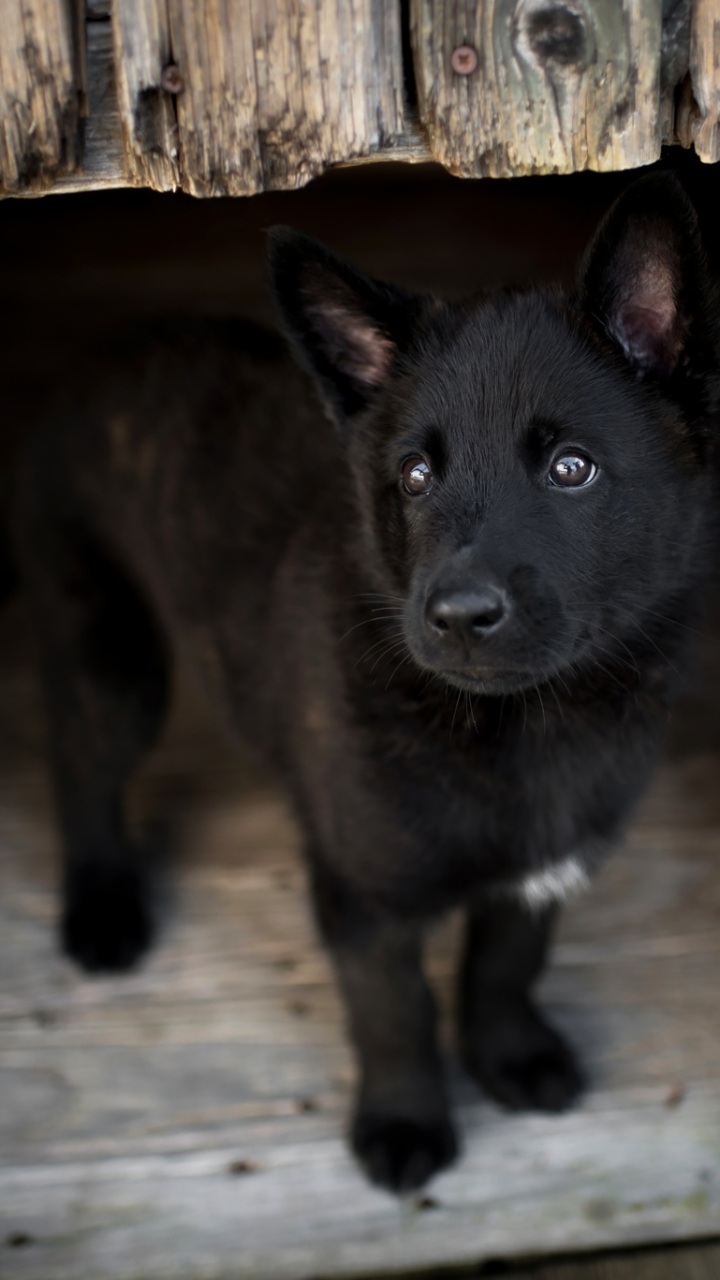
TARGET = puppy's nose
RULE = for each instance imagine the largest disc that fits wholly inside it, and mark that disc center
(470, 613)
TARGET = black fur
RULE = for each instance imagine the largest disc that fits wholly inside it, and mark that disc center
(463, 686)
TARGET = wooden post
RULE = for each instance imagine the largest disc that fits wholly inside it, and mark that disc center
(539, 86)
(41, 96)
(142, 49)
(235, 98)
(705, 76)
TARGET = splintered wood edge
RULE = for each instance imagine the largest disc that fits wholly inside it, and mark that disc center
(105, 162)
(705, 77)
(41, 93)
(105, 165)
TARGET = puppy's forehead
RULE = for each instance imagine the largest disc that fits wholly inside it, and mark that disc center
(504, 361)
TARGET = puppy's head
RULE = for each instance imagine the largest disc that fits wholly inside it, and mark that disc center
(530, 467)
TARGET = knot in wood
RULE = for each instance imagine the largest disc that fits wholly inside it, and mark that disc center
(557, 34)
(464, 59)
(171, 80)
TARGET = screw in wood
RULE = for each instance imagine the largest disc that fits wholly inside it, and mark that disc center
(238, 1167)
(171, 80)
(464, 60)
(18, 1240)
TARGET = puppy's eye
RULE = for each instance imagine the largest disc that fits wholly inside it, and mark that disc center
(416, 476)
(572, 471)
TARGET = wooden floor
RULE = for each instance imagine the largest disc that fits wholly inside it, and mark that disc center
(187, 1121)
(691, 1262)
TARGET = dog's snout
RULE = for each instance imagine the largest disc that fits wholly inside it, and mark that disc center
(469, 613)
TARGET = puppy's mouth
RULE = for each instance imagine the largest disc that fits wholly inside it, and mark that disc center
(494, 683)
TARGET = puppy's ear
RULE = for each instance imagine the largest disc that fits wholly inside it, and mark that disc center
(347, 329)
(645, 281)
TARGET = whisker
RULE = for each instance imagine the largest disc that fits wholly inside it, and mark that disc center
(542, 706)
(554, 692)
(659, 650)
(610, 675)
(601, 648)
(379, 644)
(397, 668)
(457, 704)
(563, 682)
(378, 595)
(618, 640)
(393, 648)
(500, 717)
(704, 635)
(386, 617)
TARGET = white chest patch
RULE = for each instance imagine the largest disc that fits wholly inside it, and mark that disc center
(555, 883)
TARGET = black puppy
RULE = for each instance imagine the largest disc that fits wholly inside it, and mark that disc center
(453, 621)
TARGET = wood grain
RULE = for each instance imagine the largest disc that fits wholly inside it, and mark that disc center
(102, 164)
(699, 1262)
(674, 68)
(40, 93)
(705, 76)
(558, 86)
(186, 1121)
(103, 159)
(270, 93)
(142, 48)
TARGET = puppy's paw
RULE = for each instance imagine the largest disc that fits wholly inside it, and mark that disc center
(521, 1061)
(401, 1154)
(106, 924)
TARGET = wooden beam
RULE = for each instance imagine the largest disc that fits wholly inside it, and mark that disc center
(104, 163)
(705, 75)
(236, 98)
(243, 97)
(674, 65)
(539, 86)
(142, 49)
(41, 93)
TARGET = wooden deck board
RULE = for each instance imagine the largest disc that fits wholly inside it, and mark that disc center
(186, 1121)
(693, 1262)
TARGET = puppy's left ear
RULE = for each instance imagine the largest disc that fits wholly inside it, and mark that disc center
(348, 330)
(645, 281)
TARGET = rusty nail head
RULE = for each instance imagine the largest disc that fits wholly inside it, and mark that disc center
(464, 59)
(171, 80)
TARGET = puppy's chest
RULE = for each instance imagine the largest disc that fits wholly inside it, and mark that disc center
(488, 817)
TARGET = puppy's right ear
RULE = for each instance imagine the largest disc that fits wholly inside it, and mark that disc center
(347, 329)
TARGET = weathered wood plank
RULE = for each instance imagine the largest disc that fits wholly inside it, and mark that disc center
(257, 96)
(705, 75)
(103, 162)
(674, 65)
(296, 1208)
(40, 93)
(698, 1262)
(273, 93)
(544, 87)
(142, 49)
(103, 158)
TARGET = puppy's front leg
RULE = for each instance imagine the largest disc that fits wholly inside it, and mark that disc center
(401, 1132)
(518, 1058)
